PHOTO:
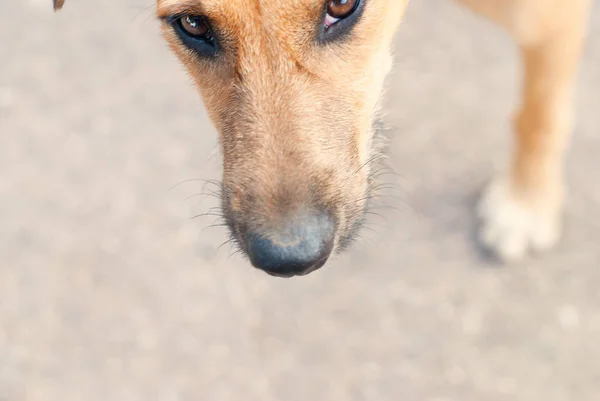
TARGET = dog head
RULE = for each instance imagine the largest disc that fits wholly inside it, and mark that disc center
(293, 88)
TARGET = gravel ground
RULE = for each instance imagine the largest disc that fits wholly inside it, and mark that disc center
(109, 291)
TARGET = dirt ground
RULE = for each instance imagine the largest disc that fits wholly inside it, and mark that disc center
(110, 291)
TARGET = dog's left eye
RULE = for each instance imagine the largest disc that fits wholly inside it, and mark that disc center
(338, 10)
(340, 18)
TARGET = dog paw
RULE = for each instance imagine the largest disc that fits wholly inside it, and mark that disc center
(512, 226)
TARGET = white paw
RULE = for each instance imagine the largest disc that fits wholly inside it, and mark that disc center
(511, 227)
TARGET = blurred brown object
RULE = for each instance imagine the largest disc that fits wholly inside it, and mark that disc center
(58, 4)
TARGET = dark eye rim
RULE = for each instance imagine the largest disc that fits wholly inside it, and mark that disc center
(203, 45)
(342, 29)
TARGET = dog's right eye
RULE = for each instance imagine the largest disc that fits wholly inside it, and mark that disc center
(195, 26)
(196, 33)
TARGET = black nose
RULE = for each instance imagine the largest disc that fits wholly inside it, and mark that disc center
(300, 247)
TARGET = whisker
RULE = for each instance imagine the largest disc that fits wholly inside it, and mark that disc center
(207, 214)
(229, 241)
(360, 240)
(375, 214)
(389, 207)
(205, 182)
(184, 182)
(379, 197)
(370, 160)
(212, 226)
(236, 252)
(388, 187)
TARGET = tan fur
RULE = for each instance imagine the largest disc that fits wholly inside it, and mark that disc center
(296, 118)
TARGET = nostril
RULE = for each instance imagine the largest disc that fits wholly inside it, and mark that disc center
(300, 247)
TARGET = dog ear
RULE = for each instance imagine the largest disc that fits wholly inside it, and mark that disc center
(58, 4)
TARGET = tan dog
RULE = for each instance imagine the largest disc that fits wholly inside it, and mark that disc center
(293, 87)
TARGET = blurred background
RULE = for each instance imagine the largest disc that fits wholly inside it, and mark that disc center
(109, 290)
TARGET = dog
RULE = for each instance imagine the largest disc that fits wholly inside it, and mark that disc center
(294, 87)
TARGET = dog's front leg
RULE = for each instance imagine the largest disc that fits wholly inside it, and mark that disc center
(521, 210)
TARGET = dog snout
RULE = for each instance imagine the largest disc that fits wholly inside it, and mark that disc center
(301, 246)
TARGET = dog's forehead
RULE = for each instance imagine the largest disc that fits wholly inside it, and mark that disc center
(250, 19)
(239, 6)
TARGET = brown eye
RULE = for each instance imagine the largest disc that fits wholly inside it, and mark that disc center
(195, 26)
(340, 9)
